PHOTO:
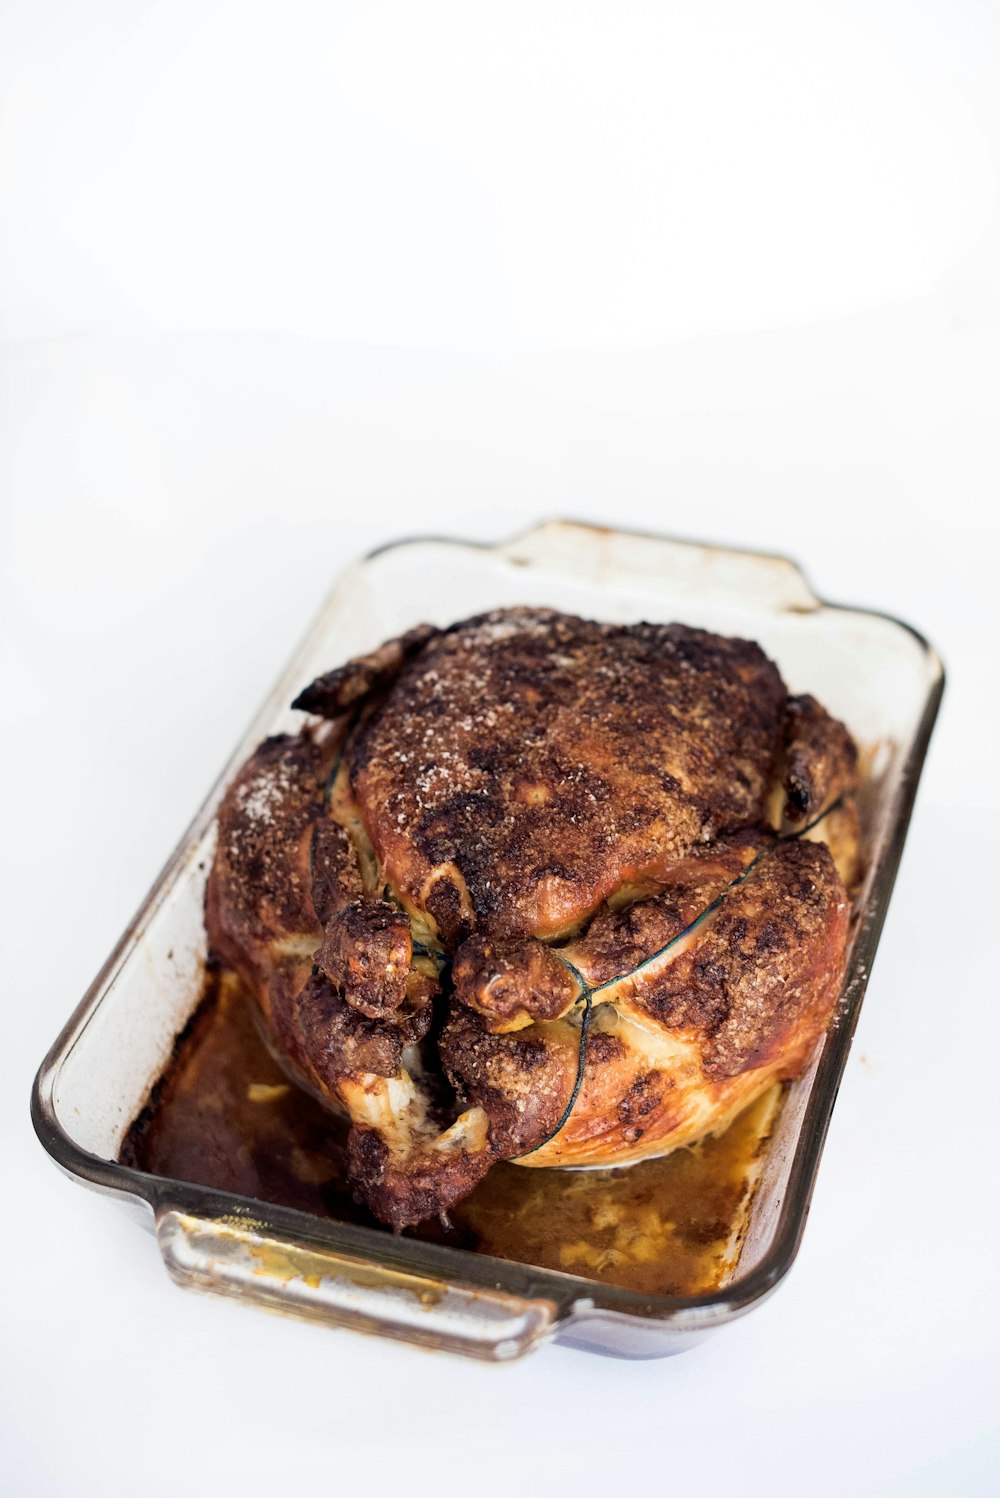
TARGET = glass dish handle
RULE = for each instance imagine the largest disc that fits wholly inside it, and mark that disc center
(237, 1257)
(592, 553)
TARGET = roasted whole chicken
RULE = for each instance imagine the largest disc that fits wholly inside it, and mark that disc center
(541, 889)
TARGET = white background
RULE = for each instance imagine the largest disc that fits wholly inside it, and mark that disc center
(279, 282)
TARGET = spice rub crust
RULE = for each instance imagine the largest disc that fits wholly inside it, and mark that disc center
(527, 764)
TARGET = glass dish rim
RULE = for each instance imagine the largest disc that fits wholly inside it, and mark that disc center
(461, 1266)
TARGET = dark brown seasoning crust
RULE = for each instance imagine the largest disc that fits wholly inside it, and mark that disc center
(338, 691)
(525, 777)
(260, 886)
(511, 984)
(550, 759)
(366, 952)
(821, 758)
(407, 1191)
(336, 877)
(523, 1080)
(340, 1041)
(618, 940)
(768, 963)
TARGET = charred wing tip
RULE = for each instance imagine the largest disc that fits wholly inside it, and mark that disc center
(305, 701)
(323, 697)
(799, 796)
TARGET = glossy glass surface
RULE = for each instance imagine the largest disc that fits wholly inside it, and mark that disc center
(876, 673)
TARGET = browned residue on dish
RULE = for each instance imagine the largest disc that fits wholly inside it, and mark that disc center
(225, 1116)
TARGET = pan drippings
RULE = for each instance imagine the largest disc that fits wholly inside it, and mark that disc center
(225, 1115)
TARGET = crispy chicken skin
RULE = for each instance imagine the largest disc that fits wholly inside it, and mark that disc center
(539, 888)
(527, 764)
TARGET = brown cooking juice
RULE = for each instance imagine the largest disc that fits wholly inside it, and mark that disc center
(225, 1115)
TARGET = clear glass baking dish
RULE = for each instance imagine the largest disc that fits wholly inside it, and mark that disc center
(877, 674)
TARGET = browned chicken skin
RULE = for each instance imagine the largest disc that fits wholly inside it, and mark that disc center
(540, 888)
